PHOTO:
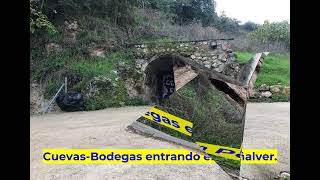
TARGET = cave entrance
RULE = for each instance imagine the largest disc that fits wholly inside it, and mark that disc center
(159, 79)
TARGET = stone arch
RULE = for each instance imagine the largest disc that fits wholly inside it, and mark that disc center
(159, 77)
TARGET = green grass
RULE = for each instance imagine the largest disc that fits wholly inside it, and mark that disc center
(243, 57)
(92, 67)
(203, 106)
(275, 69)
(109, 66)
(97, 66)
(227, 163)
(117, 66)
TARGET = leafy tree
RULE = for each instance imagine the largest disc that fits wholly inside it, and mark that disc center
(162, 5)
(227, 24)
(38, 20)
(184, 11)
(120, 11)
(207, 13)
(273, 32)
(191, 10)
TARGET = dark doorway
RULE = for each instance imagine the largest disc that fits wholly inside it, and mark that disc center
(159, 80)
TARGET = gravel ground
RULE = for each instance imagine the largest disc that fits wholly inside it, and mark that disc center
(267, 126)
(104, 129)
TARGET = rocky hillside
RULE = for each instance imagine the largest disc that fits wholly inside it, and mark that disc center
(88, 43)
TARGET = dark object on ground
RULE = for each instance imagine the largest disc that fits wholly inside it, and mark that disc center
(71, 101)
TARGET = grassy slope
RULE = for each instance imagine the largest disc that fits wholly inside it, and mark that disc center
(86, 68)
(275, 69)
(75, 61)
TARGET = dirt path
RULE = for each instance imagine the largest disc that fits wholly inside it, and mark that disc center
(105, 129)
(267, 127)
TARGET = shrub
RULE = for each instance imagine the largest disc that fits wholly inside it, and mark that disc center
(245, 43)
(120, 11)
(38, 20)
(276, 32)
(249, 26)
(163, 26)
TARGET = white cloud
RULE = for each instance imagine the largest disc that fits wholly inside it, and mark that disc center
(255, 10)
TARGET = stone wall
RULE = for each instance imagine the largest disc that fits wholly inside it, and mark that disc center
(184, 60)
(211, 56)
(214, 55)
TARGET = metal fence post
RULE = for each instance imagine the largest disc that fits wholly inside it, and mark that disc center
(65, 85)
(52, 100)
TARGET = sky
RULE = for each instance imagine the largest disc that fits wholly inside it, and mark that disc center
(255, 10)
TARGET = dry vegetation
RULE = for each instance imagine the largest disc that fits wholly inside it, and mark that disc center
(108, 25)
